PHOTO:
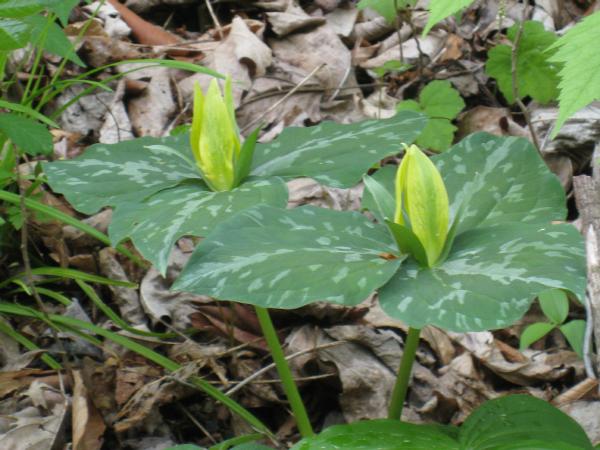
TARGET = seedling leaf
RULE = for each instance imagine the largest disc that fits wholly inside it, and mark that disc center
(441, 104)
(555, 305)
(537, 74)
(574, 331)
(534, 332)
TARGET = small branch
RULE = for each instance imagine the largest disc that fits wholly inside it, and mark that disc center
(515, 86)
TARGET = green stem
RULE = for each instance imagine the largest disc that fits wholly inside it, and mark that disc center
(287, 381)
(403, 378)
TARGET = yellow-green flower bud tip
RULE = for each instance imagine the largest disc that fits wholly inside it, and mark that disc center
(214, 136)
(422, 202)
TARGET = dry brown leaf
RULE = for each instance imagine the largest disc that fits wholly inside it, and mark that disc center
(88, 426)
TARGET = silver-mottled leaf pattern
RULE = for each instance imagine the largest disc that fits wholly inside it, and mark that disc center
(333, 154)
(106, 175)
(155, 224)
(497, 180)
(288, 258)
(489, 278)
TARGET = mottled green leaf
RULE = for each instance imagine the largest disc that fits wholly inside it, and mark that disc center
(519, 422)
(288, 258)
(537, 75)
(534, 332)
(574, 331)
(13, 34)
(381, 434)
(505, 251)
(106, 175)
(155, 223)
(334, 154)
(489, 278)
(30, 135)
(494, 180)
(555, 305)
(441, 103)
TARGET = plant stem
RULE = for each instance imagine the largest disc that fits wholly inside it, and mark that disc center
(287, 381)
(403, 378)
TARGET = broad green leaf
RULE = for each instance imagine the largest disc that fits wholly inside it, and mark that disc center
(107, 175)
(387, 8)
(155, 223)
(574, 331)
(519, 422)
(489, 278)
(381, 434)
(278, 258)
(334, 154)
(537, 75)
(31, 136)
(534, 332)
(54, 41)
(494, 180)
(13, 34)
(441, 103)
(555, 305)
(579, 77)
(378, 200)
(514, 422)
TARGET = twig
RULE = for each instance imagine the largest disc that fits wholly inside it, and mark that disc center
(192, 419)
(284, 98)
(398, 33)
(276, 92)
(515, 87)
(259, 372)
(589, 327)
(214, 18)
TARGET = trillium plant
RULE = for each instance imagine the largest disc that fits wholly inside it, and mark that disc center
(463, 241)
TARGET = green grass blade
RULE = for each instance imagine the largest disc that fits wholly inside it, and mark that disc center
(65, 218)
(29, 111)
(68, 273)
(29, 345)
(94, 297)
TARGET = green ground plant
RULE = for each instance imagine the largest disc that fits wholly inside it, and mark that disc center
(449, 251)
(440, 103)
(555, 306)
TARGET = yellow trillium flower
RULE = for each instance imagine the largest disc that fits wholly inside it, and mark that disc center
(215, 138)
(422, 202)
